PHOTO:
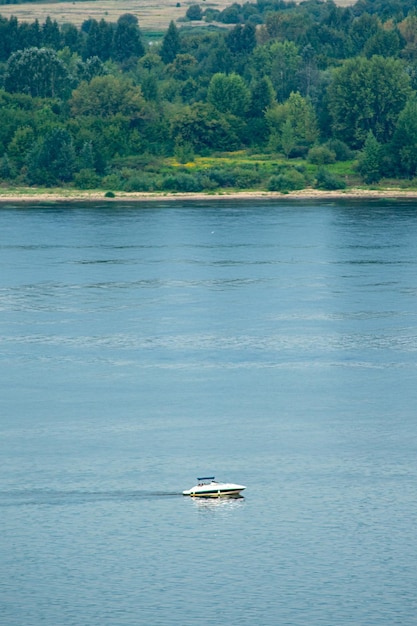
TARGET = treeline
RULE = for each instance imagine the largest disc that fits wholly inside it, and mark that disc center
(106, 40)
(257, 12)
(100, 106)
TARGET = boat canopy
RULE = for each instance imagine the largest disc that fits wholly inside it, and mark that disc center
(206, 478)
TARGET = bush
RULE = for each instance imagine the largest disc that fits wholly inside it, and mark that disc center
(289, 180)
(321, 155)
(298, 152)
(246, 178)
(111, 181)
(182, 182)
(138, 183)
(206, 183)
(255, 20)
(194, 12)
(222, 177)
(230, 15)
(211, 15)
(328, 181)
(240, 177)
(341, 150)
(86, 179)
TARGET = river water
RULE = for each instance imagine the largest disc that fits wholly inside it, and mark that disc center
(272, 344)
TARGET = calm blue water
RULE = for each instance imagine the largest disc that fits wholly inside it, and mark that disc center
(272, 344)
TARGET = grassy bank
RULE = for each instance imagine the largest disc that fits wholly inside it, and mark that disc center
(228, 174)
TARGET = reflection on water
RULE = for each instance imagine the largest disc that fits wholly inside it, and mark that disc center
(215, 504)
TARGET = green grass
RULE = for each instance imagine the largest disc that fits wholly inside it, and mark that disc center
(246, 171)
(221, 173)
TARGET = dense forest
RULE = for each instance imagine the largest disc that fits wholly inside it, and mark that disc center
(268, 95)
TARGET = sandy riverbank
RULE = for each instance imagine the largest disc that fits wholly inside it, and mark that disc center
(31, 196)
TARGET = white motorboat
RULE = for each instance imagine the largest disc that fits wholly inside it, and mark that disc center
(207, 487)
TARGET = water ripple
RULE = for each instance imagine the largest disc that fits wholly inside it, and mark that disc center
(51, 497)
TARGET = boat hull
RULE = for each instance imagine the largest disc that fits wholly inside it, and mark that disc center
(215, 490)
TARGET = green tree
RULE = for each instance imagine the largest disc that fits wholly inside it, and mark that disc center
(91, 68)
(328, 43)
(242, 39)
(228, 94)
(21, 144)
(203, 128)
(292, 124)
(370, 160)
(262, 96)
(182, 66)
(288, 137)
(99, 39)
(362, 29)
(106, 96)
(110, 136)
(86, 158)
(46, 117)
(52, 160)
(19, 111)
(7, 171)
(218, 59)
(367, 94)
(171, 44)
(308, 72)
(286, 63)
(9, 37)
(286, 25)
(37, 72)
(71, 60)
(231, 14)
(194, 12)
(30, 35)
(404, 142)
(149, 86)
(385, 43)
(127, 42)
(151, 62)
(71, 37)
(408, 30)
(51, 36)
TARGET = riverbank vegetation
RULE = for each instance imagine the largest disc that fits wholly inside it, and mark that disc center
(284, 97)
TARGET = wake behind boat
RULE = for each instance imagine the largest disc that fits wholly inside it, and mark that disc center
(209, 488)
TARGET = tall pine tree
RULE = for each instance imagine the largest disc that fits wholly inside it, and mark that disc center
(170, 44)
(127, 42)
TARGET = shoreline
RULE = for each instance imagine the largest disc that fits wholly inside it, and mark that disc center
(31, 196)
